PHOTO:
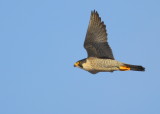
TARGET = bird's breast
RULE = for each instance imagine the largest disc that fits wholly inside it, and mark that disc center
(87, 66)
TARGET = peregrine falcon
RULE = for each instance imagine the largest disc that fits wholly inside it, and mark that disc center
(100, 57)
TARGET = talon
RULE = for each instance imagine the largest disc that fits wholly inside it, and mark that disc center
(124, 68)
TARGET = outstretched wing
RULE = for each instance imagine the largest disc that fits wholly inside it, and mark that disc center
(96, 38)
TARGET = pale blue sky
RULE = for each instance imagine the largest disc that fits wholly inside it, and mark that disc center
(41, 40)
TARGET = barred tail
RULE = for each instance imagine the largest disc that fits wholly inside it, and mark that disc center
(135, 67)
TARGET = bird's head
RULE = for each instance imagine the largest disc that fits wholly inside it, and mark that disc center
(80, 63)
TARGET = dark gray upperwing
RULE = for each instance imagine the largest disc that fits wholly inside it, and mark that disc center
(96, 38)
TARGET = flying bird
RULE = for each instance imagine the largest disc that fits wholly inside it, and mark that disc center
(100, 57)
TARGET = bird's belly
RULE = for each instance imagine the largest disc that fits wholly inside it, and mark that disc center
(106, 69)
(101, 65)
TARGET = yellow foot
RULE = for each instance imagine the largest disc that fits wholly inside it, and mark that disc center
(124, 68)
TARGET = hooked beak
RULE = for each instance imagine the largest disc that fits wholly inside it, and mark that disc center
(76, 64)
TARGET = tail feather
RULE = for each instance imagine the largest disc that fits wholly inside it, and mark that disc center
(135, 67)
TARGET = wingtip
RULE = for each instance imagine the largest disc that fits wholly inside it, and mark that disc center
(94, 11)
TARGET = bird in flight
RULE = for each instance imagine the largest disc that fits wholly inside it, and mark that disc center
(100, 57)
